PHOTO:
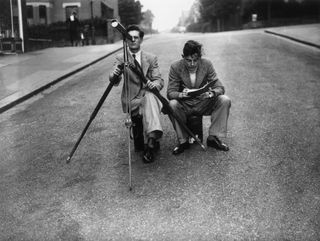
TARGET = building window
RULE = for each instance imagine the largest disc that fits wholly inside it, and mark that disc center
(43, 14)
(30, 15)
(29, 12)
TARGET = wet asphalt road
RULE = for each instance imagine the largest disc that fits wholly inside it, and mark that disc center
(267, 187)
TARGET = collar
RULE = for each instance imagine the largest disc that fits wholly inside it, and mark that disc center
(138, 55)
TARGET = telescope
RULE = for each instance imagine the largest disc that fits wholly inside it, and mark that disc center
(121, 29)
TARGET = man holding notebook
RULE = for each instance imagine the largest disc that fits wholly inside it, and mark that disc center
(195, 90)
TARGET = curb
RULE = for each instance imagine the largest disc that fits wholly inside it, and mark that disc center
(42, 88)
(292, 38)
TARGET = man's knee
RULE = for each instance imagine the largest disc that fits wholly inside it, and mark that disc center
(150, 98)
(174, 104)
(224, 100)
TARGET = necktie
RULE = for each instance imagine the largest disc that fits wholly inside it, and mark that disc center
(134, 59)
(136, 63)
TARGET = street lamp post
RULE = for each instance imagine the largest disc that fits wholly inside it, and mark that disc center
(21, 25)
(12, 27)
(92, 24)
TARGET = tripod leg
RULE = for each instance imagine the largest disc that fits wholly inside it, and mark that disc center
(128, 124)
(130, 170)
(93, 115)
(137, 131)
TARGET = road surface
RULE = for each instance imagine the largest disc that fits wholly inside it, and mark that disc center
(265, 188)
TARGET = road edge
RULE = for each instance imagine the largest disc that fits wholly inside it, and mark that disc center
(292, 38)
(42, 88)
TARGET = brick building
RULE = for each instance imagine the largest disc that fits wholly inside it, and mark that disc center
(50, 11)
(15, 15)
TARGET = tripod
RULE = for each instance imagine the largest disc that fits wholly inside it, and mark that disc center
(128, 121)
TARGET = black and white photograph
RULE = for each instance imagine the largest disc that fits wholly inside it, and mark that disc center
(140, 120)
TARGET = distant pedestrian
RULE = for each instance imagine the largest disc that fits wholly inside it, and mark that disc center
(85, 35)
(73, 25)
(188, 75)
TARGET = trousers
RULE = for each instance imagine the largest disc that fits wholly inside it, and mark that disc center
(150, 108)
(218, 108)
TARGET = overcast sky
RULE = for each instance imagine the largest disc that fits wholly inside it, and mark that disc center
(166, 12)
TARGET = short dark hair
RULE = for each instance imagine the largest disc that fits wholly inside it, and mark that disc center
(137, 28)
(192, 47)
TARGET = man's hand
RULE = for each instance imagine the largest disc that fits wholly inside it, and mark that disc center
(152, 85)
(184, 94)
(206, 95)
(117, 71)
(115, 75)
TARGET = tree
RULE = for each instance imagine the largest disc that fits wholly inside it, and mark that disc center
(147, 20)
(210, 9)
(221, 13)
(218, 11)
(191, 16)
(311, 8)
(277, 9)
(130, 12)
(206, 10)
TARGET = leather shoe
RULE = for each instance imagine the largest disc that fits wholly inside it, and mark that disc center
(153, 144)
(156, 146)
(180, 148)
(148, 156)
(214, 142)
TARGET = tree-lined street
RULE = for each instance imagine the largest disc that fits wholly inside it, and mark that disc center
(265, 188)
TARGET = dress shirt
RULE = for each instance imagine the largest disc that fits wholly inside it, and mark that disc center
(138, 56)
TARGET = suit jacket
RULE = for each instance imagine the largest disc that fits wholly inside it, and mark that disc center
(149, 65)
(179, 78)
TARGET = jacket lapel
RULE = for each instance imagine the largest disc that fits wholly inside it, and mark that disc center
(185, 76)
(200, 75)
(144, 63)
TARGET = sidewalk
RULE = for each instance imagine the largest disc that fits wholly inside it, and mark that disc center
(306, 34)
(24, 75)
